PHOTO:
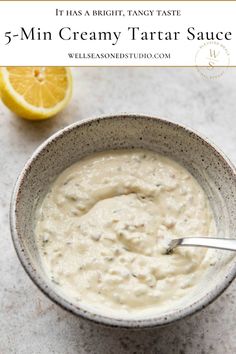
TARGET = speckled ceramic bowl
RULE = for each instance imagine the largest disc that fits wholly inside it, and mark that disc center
(209, 166)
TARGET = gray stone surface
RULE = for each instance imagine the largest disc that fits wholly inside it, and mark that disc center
(29, 322)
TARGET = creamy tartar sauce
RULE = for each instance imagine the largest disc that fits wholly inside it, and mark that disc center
(103, 228)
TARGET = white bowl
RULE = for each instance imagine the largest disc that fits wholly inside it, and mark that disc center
(206, 163)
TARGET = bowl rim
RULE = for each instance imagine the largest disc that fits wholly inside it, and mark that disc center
(159, 320)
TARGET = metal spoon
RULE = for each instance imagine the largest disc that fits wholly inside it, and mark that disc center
(220, 243)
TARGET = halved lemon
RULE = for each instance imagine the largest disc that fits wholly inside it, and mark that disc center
(35, 92)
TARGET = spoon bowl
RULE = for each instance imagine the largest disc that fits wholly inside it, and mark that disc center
(210, 242)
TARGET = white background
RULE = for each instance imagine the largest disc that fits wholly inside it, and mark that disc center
(204, 16)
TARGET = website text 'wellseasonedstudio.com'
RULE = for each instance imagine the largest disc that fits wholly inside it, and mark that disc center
(119, 56)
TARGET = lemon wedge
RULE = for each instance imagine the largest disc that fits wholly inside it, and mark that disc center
(35, 93)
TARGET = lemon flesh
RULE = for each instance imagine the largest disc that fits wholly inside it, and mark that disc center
(35, 92)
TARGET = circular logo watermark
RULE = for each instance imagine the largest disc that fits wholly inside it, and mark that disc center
(212, 59)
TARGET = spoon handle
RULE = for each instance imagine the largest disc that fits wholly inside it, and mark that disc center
(220, 243)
